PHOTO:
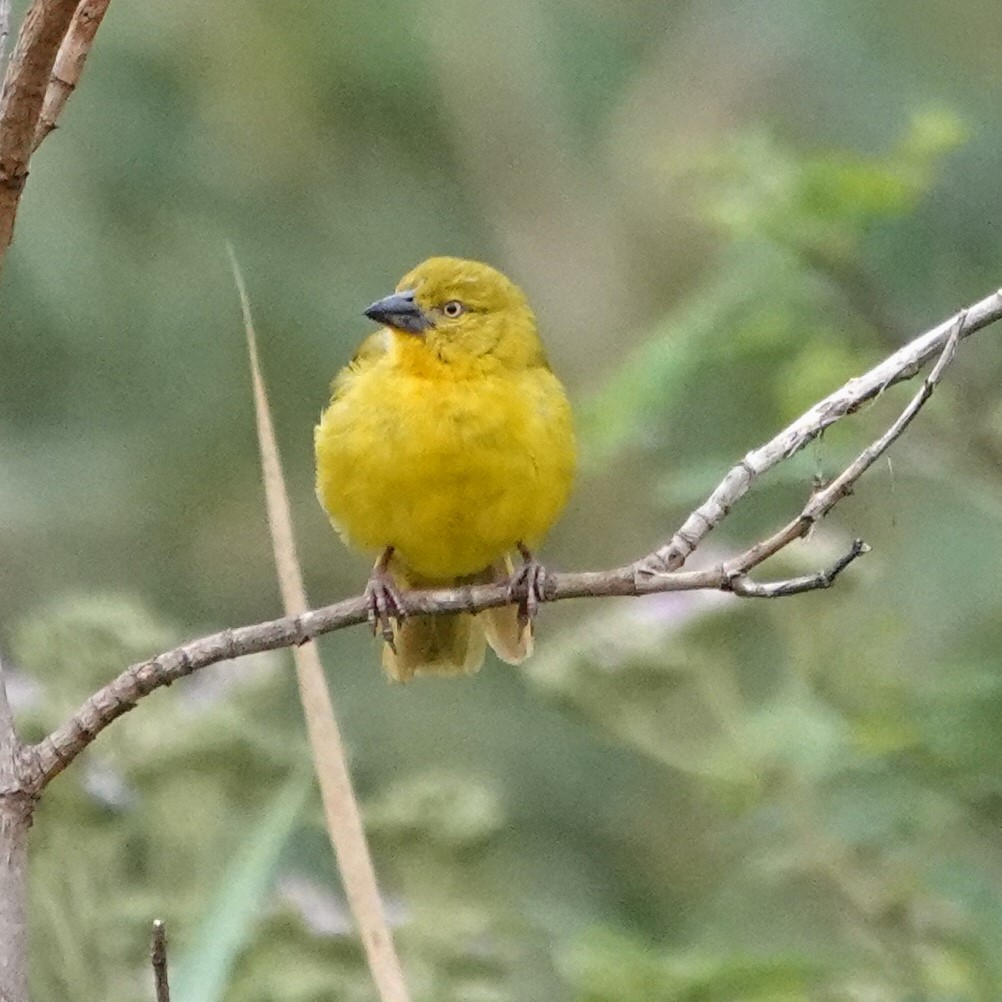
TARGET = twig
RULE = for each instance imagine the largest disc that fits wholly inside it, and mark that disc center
(644, 577)
(741, 585)
(158, 958)
(341, 811)
(24, 87)
(69, 64)
(903, 364)
(822, 501)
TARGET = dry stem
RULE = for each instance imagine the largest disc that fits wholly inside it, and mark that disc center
(341, 811)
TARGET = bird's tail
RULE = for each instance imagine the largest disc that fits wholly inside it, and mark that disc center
(510, 639)
(454, 644)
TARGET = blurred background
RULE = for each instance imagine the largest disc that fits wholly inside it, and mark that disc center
(720, 212)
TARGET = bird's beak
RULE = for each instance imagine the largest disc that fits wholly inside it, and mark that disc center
(401, 312)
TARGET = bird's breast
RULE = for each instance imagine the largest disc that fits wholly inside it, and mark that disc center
(450, 472)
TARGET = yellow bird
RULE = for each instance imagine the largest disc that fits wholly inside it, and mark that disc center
(448, 443)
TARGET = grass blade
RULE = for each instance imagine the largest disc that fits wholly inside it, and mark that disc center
(344, 822)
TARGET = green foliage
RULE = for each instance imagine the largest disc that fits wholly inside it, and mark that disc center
(609, 968)
(820, 204)
(124, 837)
(838, 754)
(203, 974)
(718, 218)
(68, 645)
(789, 296)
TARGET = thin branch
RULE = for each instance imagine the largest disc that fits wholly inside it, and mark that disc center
(69, 64)
(644, 577)
(341, 811)
(903, 364)
(741, 585)
(56, 751)
(24, 87)
(158, 960)
(822, 501)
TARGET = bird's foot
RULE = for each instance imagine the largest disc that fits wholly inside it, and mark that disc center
(527, 586)
(383, 599)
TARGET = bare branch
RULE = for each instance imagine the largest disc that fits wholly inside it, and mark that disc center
(69, 64)
(822, 501)
(741, 585)
(825, 500)
(24, 87)
(158, 959)
(56, 751)
(644, 577)
(903, 364)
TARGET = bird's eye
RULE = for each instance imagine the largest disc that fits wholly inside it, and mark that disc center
(453, 308)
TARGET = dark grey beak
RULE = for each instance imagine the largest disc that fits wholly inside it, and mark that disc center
(400, 312)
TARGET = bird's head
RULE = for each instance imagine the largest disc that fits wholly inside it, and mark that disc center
(462, 310)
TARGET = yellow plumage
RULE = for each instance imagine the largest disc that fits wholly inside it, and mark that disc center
(449, 440)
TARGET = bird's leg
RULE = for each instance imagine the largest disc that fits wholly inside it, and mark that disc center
(527, 585)
(383, 599)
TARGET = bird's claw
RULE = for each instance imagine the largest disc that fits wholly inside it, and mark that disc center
(384, 603)
(527, 587)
